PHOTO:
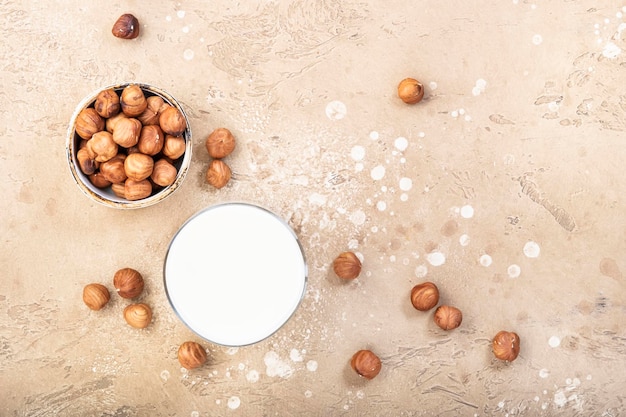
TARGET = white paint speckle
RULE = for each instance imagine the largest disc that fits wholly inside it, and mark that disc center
(485, 260)
(308, 393)
(185, 29)
(378, 172)
(336, 110)
(611, 50)
(274, 366)
(404, 197)
(544, 373)
(252, 376)
(454, 113)
(188, 54)
(554, 341)
(165, 375)
(358, 218)
(537, 39)
(467, 211)
(436, 258)
(464, 240)
(180, 14)
(234, 402)
(401, 143)
(374, 135)
(357, 153)
(532, 249)
(514, 271)
(381, 206)
(479, 87)
(405, 184)
(432, 85)
(295, 355)
(421, 271)
(311, 365)
(168, 18)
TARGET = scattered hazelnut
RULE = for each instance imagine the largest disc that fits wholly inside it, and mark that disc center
(191, 355)
(138, 166)
(218, 173)
(347, 265)
(172, 121)
(107, 103)
(128, 283)
(410, 91)
(98, 180)
(126, 27)
(136, 190)
(424, 296)
(174, 146)
(506, 345)
(133, 100)
(101, 146)
(151, 140)
(220, 143)
(366, 364)
(126, 132)
(96, 296)
(88, 122)
(164, 173)
(138, 316)
(448, 317)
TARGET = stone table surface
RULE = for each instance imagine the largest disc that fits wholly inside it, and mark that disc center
(504, 186)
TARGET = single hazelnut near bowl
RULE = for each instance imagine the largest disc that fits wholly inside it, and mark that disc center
(138, 316)
(506, 345)
(172, 121)
(220, 143)
(191, 355)
(126, 27)
(448, 317)
(366, 364)
(133, 100)
(424, 296)
(347, 265)
(96, 296)
(107, 103)
(218, 173)
(88, 122)
(128, 283)
(410, 91)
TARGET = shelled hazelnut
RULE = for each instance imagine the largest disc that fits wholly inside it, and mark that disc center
(424, 296)
(448, 317)
(138, 315)
(126, 27)
(191, 355)
(506, 345)
(410, 91)
(128, 282)
(95, 296)
(366, 364)
(347, 265)
(218, 173)
(220, 143)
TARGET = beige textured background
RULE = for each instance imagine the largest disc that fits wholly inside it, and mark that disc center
(523, 121)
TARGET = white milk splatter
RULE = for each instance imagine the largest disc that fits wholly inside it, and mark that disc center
(336, 110)
(485, 260)
(537, 39)
(531, 249)
(241, 366)
(544, 373)
(378, 172)
(405, 183)
(358, 167)
(308, 394)
(514, 271)
(234, 402)
(381, 206)
(185, 29)
(467, 211)
(168, 18)
(358, 218)
(357, 153)
(165, 375)
(232, 350)
(188, 54)
(274, 366)
(454, 113)
(480, 86)
(554, 341)
(252, 376)
(195, 414)
(432, 85)
(611, 50)
(404, 197)
(421, 271)
(353, 244)
(560, 399)
(436, 258)
(180, 14)
(401, 143)
(295, 355)
(317, 199)
(464, 240)
(374, 135)
(311, 365)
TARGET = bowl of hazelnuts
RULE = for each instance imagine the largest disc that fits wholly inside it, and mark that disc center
(129, 145)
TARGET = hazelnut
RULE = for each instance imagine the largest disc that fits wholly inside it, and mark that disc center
(107, 103)
(118, 190)
(191, 355)
(96, 296)
(128, 283)
(164, 173)
(113, 169)
(138, 166)
(151, 140)
(88, 122)
(347, 265)
(150, 115)
(174, 146)
(410, 91)
(424, 296)
(133, 100)
(506, 345)
(172, 121)
(220, 143)
(218, 173)
(136, 190)
(366, 364)
(448, 317)
(112, 121)
(98, 180)
(86, 162)
(138, 316)
(126, 27)
(101, 146)
(126, 132)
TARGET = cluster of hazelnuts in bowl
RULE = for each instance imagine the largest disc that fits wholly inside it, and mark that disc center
(129, 145)
(424, 297)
